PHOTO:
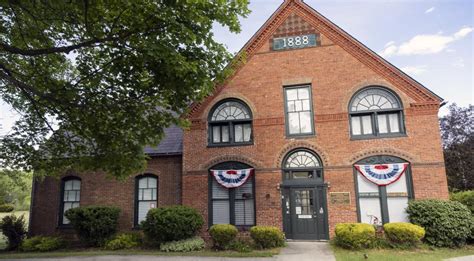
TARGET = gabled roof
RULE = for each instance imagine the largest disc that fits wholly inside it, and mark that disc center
(171, 144)
(391, 73)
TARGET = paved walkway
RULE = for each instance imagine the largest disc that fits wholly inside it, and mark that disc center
(461, 258)
(295, 251)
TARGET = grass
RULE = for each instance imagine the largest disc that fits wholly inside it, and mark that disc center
(96, 252)
(424, 253)
(3, 241)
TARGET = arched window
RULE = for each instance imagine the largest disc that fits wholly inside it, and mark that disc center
(146, 196)
(230, 123)
(234, 206)
(379, 204)
(302, 164)
(70, 197)
(376, 112)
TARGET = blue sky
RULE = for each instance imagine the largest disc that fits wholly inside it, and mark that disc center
(430, 40)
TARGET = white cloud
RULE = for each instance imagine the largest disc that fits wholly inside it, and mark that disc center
(429, 10)
(425, 43)
(459, 63)
(414, 70)
(389, 43)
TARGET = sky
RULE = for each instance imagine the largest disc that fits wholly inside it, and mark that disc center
(430, 40)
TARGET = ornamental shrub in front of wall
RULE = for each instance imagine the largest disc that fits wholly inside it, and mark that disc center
(267, 237)
(94, 224)
(222, 235)
(42, 244)
(464, 197)
(185, 245)
(124, 241)
(6, 208)
(171, 223)
(355, 235)
(447, 223)
(14, 229)
(404, 234)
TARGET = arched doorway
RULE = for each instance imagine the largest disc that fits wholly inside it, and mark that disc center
(304, 201)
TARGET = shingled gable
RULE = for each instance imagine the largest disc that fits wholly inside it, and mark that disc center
(423, 97)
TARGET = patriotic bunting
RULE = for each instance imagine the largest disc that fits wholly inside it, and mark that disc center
(231, 178)
(382, 174)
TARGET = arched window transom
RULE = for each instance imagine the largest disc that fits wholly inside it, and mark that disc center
(376, 112)
(302, 164)
(230, 123)
(302, 159)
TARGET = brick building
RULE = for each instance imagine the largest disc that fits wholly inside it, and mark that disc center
(312, 129)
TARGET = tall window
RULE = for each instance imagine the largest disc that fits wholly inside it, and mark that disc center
(70, 198)
(146, 196)
(302, 164)
(230, 123)
(375, 112)
(235, 205)
(299, 110)
(383, 204)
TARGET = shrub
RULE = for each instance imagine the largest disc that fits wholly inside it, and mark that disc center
(185, 245)
(465, 197)
(404, 233)
(355, 235)
(222, 235)
(124, 241)
(267, 237)
(42, 244)
(447, 223)
(5, 208)
(241, 245)
(14, 229)
(94, 224)
(171, 223)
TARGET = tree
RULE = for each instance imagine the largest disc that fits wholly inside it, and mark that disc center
(96, 81)
(457, 132)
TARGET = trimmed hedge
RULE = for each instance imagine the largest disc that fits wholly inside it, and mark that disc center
(6, 208)
(42, 244)
(94, 224)
(464, 197)
(14, 229)
(222, 235)
(447, 223)
(124, 241)
(355, 235)
(267, 237)
(404, 233)
(171, 223)
(185, 245)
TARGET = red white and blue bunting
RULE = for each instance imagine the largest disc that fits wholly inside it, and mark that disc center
(382, 174)
(231, 178)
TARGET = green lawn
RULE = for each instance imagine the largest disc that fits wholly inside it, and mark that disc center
(424, 254)
(95, 252)
(3, 242)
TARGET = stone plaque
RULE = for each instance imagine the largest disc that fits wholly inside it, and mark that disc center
(340, 198)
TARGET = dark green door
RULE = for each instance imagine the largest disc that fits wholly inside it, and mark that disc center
(305, 209)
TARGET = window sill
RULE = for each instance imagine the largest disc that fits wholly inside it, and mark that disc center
(300, 136)
(230, 145)
(371, 137)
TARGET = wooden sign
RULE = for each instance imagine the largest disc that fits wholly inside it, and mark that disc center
(294, 42)
(340, 198)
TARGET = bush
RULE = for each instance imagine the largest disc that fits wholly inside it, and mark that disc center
(5, 208)
(124, 241)
(447, 223)
(404, 233)
(94, 224)
(241, 245)
(171, 223)
(355, 235)
(42, 244)
(14, 229)
(222, 235)
(267, 237)
(185, 245)
(464, 197)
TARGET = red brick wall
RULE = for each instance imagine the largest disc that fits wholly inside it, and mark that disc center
(335, 75)
(98, 189)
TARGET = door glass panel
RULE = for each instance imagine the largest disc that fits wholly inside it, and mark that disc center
(302, 174)
(303, 202)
